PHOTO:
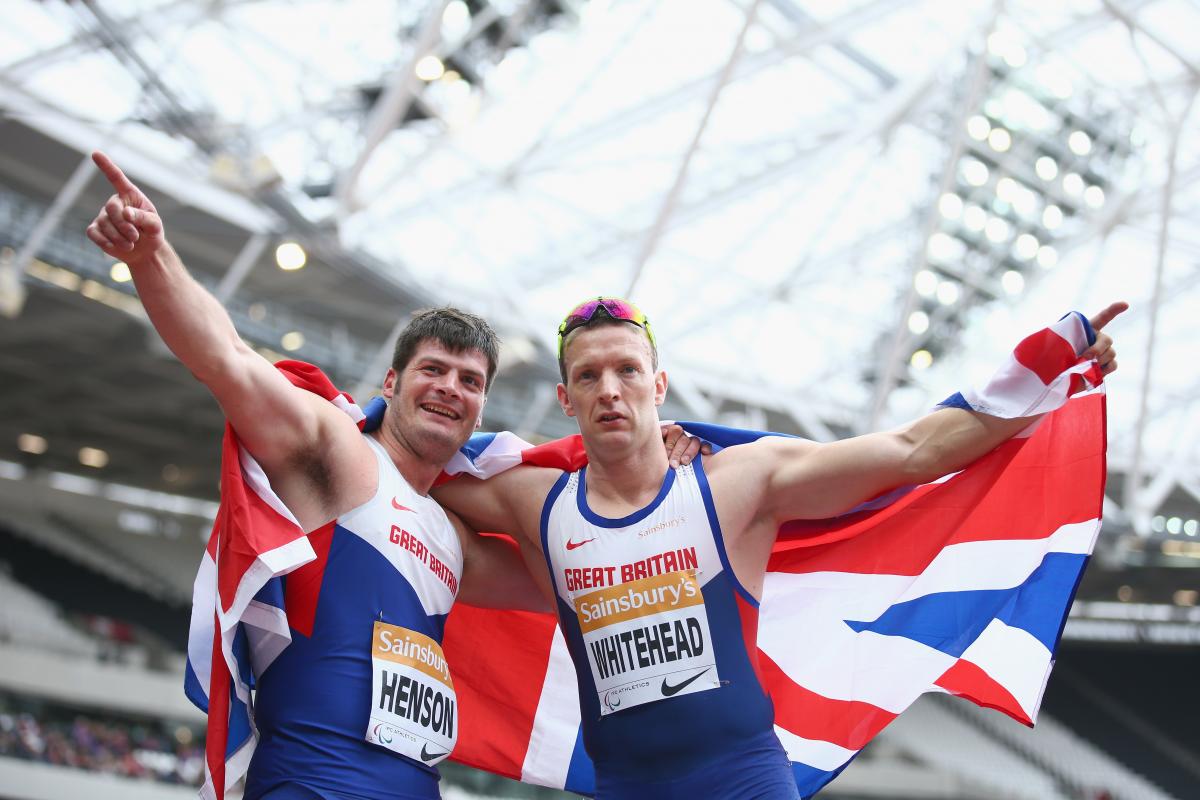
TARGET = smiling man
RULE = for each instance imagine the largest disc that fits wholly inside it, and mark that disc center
(360, 703)
(658, 570)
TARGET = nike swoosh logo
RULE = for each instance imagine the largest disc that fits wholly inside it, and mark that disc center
(668, 690)
(428, 756)
(399, 507)
(572, 545)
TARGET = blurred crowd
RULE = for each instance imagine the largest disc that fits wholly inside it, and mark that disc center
(136, 749)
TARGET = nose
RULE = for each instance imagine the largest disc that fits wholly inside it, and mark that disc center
(609, 386)
(447, 383)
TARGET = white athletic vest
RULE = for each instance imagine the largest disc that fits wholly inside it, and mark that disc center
(413, 532)
(635, 587)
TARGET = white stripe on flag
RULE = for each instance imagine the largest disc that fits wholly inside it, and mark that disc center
(267, 632)
(834, 661)
(556, 722)
(281, 560)
(972, 566)
(503, 452)
(200, 630)
(1070, 327)
(1016, 660)
(257, 480)
(352, 409)
(237, 764)
(814, 753)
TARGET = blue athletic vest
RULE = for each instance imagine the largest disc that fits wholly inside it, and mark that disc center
(395, 560)
(661, 633)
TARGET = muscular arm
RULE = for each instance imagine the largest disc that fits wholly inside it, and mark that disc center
(807, 480)
(784, 479)
(199, 331)
(510, 502)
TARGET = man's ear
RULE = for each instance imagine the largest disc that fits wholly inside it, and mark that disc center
(564, 401)
(391, 382)
(660, 387)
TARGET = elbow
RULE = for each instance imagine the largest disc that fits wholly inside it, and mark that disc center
(219, 366)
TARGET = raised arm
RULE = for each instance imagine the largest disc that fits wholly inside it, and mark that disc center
(199, 331)
(798, 479)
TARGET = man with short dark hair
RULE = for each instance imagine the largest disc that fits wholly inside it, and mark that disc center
(360, 703)
(658, 571)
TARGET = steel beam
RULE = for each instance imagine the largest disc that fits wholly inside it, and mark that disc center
(672, 198)
(1133, 480)
(891, 363)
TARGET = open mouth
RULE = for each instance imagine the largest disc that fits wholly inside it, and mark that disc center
(441, 411)
(611, 417)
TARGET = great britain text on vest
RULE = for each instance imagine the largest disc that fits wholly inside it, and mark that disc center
(412, 544)
(658, 564)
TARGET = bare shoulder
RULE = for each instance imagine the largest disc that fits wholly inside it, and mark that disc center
(753, 459)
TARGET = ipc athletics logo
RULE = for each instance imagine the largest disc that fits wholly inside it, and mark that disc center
(380, 735)
(611, 700)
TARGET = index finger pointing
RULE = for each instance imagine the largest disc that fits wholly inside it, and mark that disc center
(115, 176)
(1108, 315)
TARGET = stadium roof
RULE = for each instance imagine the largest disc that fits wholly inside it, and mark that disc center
(833, 213)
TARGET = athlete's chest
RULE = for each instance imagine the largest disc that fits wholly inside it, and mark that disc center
(413, 534)
(673, 534)
(633, 592)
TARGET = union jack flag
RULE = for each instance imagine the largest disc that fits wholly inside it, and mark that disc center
(961, 585)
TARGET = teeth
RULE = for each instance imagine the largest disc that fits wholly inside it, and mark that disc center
(440, 411)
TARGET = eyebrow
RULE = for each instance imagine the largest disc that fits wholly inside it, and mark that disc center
(435, 361)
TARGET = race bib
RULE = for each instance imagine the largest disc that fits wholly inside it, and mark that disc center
(647, 640)
(414, 710)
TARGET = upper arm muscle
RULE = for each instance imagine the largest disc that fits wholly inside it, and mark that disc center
(510, 502)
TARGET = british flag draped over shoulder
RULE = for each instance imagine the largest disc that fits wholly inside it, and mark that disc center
(961, 585)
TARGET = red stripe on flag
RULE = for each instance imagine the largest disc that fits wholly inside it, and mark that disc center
(968, 680)
(495, 735)
(566, 454)
(302, 586)
(259, 528)
(216, 737)
(1024, 489)
(846, 723)
(1045, 354)
(748, 616)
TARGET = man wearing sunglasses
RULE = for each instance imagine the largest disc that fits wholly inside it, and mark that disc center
(657, 570)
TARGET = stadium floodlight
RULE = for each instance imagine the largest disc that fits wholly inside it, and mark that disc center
(290, 256)
(918, 322)
(1026, 247)
(292, 341)
(1013, 282)
(32, 443)
(926, 283)
(921, 359)
(950, 205)
(93, 457)
(1037, 157)
(1046, 168)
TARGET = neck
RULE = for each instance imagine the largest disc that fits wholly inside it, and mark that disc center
(633, 476)
(418, 470)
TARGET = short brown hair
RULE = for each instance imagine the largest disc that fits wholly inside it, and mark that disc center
(456, 330)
